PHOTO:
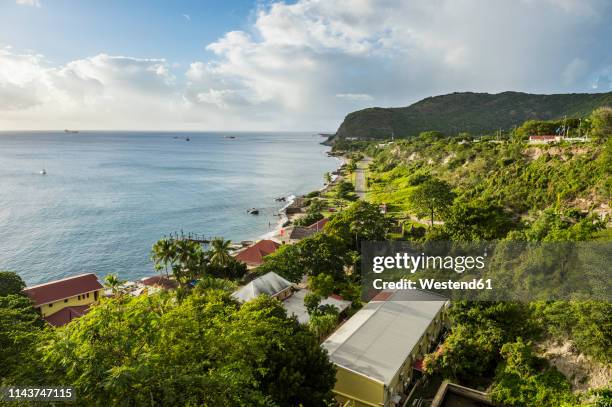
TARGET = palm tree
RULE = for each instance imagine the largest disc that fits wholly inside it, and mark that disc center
(163, 254)
(113, 283)
(220, 252)
(328, 178)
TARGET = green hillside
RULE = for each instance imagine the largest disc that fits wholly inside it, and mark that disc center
(476, 113)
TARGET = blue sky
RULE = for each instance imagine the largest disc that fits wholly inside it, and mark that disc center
(303, 65)
(68, 29)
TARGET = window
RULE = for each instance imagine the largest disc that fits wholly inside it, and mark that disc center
(50, 305)
(79, 297)
(87, 295)
(66, 300)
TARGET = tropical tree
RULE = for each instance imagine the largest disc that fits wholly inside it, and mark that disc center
(219, 252)
(328, 178)
(321, 324)
(20, 331)
(10, 283)
(203, 350)
(432, 197)
(112, 282)
(163, 254)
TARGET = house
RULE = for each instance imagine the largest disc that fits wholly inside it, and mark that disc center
(294, 305)
(319, 225)
(253, 255)
(270, 284)
(298, 233)
(375, 351)
(61, 301)
(550, 138)
(159, 282)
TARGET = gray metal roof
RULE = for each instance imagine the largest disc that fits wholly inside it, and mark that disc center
(295, 305)
(270, 284)
(378, 339)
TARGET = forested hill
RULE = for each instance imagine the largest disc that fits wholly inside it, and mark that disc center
(476, 113)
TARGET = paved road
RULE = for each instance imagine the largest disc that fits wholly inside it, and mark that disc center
(360, 179)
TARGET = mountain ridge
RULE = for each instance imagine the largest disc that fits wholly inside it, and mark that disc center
(476, 113)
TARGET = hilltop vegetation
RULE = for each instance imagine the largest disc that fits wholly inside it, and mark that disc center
(476, 113)
(462, 188)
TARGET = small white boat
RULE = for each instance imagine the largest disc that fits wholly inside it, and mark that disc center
(43, 172)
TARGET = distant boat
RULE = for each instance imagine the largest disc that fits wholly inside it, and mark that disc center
(43, 172)
(280, 199)
(187, 139)
(230, 136)
(71, 131)
(253, 211)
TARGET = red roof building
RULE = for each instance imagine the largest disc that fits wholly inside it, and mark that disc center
(67, 314)
(159, 281)
(69, 297)
(319, 225)
(253, 255)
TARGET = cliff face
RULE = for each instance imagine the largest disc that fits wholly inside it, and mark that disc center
(476, 113)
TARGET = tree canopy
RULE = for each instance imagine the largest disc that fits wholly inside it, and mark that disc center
(203, 350)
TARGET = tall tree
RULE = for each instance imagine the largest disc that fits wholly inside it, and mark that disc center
(20, 329)
(113, 283)
(203, 350)
(432, 198)
(10, 283)
(219, 253)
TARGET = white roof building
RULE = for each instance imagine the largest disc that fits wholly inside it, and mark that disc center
(295, 305)
(381, 342)
(270, 284)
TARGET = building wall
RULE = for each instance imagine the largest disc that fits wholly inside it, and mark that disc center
(83, 299)
(401, 382)
(359, 390)
(284, 294)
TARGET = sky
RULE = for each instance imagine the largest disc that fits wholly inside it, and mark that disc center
(290, 66)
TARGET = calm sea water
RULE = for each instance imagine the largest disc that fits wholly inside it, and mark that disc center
(108, 196)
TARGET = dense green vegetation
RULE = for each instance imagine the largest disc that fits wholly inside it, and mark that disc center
(465, 189)
(164, 349)
(326, 257)
(197, 346)
(476, 113)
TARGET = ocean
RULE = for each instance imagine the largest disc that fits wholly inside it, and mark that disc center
(108, 196)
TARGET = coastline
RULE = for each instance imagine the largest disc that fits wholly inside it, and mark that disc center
(275, 233)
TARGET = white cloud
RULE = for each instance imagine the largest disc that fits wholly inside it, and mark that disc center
(307, 64)
(355, 96)
(31, 3)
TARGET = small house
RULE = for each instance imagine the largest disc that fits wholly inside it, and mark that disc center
(269, 284)
(61, 301)
(253, 255)
(545, 139)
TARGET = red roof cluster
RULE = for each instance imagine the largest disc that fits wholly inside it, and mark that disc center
(254, 254)
(64, 288)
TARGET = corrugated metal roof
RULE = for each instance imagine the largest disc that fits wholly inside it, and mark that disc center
(378, 339)
(295, 305)
(270, 284)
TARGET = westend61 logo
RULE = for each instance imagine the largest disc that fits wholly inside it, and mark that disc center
(414, 263)
(489, 270)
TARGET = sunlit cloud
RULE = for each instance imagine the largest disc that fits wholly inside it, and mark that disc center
(306, 65)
